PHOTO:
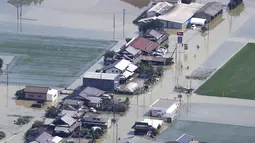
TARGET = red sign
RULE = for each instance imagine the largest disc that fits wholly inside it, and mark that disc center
(180, 33)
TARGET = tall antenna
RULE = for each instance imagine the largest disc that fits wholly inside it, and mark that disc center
(124, 12)
(114, 27)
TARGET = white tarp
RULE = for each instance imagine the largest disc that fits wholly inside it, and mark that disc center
(198, 21)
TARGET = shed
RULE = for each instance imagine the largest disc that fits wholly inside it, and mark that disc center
(162, 107)
(209, 11)
(103, 81)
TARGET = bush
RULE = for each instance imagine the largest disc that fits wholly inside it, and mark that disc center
(22, 120)
(20, 94)
(2, 135)
(166, 46)
(51, 112)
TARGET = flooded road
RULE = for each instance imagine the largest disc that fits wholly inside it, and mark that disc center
(94, 19)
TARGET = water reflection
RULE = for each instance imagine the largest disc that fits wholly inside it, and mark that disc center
(237, 11)
(138, 3)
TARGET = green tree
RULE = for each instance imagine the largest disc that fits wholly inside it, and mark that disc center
(37, 124)
(166, 45)
(159, 71)
(20, 94)
(154, 24)
(51, 112)
(145, 69)
(127, 102)
(1, 63)
(2, 135)
(109, 54)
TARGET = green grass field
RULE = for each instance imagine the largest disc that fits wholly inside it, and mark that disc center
(235, 79)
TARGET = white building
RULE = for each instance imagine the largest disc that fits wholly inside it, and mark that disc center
(52, 95)
(179, 16)
(159, 9)
(163, 107)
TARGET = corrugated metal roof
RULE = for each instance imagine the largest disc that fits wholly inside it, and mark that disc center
(185, 138)
(181, 12)
(96, 118)
(144, 44)
(132, 50)
(155, 34)
(91, 91)
(106, 76)
(68, 119)
(94, 99)
(35, 89)
(161, 7)
(211, 8)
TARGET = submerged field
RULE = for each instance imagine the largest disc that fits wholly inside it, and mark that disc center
(235, 79)
(48, 61)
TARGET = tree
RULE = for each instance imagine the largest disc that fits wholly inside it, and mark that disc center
(145, 69)
(20, 94)
(51, 112)
(109, 54)
(127, 102)
(154, 24)
(166, 45)
(2, 135)
(159, 71)
(1, 63)
(37, 124)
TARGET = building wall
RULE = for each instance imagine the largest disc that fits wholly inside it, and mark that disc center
(52, 97)
(35, 96)
(106, 85)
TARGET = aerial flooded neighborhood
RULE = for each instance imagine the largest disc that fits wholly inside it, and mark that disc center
(127, 71)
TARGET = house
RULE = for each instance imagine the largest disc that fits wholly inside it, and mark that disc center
(64, 120)
(91, 96)
(164, 108)
(186, 139)
(159, 9)
(64, 131)
(104, 81)
(101, 120)
(40, 93)
(143, 44)
(44, 137)
(209, 11)
(123, 67)
(141, 128)
(156, 36)
(131, 52)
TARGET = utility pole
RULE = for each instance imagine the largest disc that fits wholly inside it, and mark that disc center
(124, 12)
(7, 84)
(21, 3)
(114, 27)
(80, 133)
(117, 133)
(190, 83)
(17, 19)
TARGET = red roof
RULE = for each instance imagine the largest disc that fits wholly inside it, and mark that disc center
(144, 44)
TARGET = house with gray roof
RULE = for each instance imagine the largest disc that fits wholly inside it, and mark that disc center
(101, 120)
(64, 120)
(156, 36)
(64, 131)
(209, 11)
(92, 92)
(44, 137)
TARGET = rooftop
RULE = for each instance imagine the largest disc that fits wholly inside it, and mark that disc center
(72, 102)
(181, 12)
(155, 34)
(163, 103)
(91, 91)
(35, 89)
(132, 50)
(161, 7)
(211, 8)
(144, 44)
(96, 118)
(122, 64)
(43, 137)
(185, 138)
(68, 119)
(94, 99)
(105, 76)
